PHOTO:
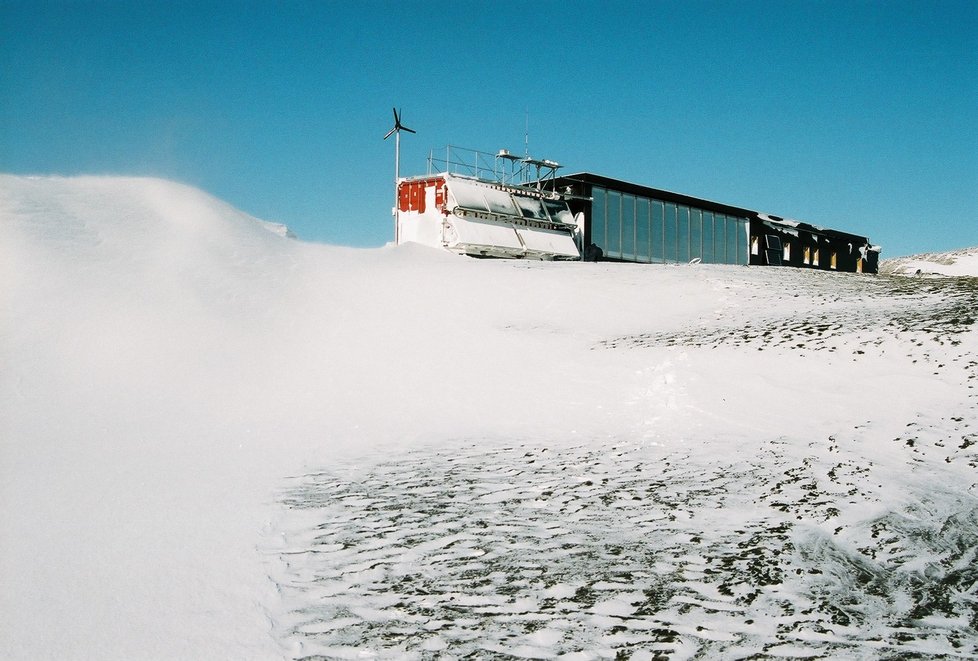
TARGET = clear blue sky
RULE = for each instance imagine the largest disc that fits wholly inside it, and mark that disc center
(857, 115)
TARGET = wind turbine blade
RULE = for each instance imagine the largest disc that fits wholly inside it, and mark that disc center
(404, 128)
(391, 132)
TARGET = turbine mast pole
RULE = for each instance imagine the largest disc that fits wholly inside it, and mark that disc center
(397, 178)
(396, 132)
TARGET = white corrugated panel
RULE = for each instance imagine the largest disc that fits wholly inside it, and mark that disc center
(477, 233)
(501, 202)
(478, 197)
(467, 195)
(549, 241)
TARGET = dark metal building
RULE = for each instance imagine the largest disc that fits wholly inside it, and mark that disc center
(633, 223)
(776, 241)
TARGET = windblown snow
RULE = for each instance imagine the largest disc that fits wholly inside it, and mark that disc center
(220, 442)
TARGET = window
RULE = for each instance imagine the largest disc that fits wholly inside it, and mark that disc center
(755, 245)
(815, 257)
(742, 230)
(772, 249)
(670, 233)
(559, 212)
(733, 232)
(531, 207)
(501, 202)
(469, 196)
(658, 231)
(628, 226)
(598, 222)
(695, 234)
(720, 239)
(833, 260)
(708, 237)
(683, 235)
(806, 255)
(786, 257)
(613, 249)
(643, 248)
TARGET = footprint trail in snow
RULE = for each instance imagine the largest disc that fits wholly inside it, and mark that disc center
(628, 551)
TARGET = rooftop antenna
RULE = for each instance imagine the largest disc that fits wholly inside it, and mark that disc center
(526, 135)
(396, 132)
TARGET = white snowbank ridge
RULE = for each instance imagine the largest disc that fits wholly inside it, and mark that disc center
(219, 443)
(953, 263)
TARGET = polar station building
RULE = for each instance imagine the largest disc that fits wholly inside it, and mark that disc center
(502, 205)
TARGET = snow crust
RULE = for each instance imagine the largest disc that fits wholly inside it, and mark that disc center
(217, 442)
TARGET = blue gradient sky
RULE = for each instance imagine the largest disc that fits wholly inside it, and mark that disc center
(857, 115)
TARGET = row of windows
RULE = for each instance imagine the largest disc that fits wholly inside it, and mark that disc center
(809, 256)
(641, 229)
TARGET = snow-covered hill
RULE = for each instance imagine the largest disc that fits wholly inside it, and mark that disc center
(216, 442)
(955, 262)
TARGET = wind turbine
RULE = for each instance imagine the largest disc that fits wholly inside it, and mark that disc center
(396, 132)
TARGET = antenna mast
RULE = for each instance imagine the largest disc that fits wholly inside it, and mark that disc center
(396, 132)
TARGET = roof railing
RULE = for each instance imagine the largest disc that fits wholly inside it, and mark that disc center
(503, 167)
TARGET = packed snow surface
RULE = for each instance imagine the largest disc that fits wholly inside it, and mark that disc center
(220, 442)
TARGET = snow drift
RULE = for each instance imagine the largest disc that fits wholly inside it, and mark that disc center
(952, 263)
(218, 442)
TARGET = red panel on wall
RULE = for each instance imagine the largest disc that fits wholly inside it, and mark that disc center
(404, 196)
(417, 200)
(411, 194)
(439, 194)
